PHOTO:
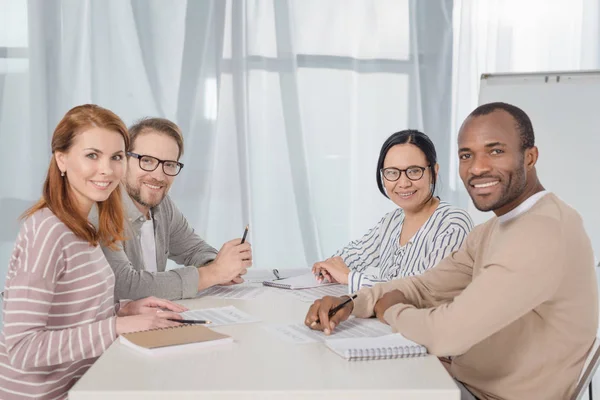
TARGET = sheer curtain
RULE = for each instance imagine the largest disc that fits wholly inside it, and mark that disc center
(492, 36)
(284, 104)
(308, 92)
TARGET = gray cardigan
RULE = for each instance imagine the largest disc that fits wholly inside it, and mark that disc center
(175, 240)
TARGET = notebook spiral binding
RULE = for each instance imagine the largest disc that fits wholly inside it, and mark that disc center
(277, 285)
(385, 353)
(159, 329)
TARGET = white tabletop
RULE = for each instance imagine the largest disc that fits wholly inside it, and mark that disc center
(260, 365)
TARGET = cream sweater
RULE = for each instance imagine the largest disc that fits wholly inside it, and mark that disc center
(516, 306)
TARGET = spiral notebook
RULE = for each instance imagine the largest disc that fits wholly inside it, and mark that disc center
(376, 348)
(163, 340)
(305, 281)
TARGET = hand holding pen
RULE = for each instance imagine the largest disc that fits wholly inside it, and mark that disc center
(232, 261)
(325, 314)
(191, 321)
(332, 270)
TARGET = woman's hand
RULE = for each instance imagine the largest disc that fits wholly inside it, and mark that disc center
(149, 305)
(144, 322)
(332, 270)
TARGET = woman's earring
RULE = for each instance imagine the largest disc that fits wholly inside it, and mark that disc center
(62, 173)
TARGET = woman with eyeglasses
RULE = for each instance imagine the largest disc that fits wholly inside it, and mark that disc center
(59, 310)
(414, 237)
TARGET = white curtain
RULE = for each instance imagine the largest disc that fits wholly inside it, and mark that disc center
(494, 36)
(284, 104)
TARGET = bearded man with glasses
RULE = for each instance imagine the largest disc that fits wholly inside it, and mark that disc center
(156, 230)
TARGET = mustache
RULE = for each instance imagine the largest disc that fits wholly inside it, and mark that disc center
(479, 177)
(156, 182)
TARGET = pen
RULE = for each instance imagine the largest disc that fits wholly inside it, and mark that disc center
(245, 234)
(341, 305)
(337, 308)
(191, 321)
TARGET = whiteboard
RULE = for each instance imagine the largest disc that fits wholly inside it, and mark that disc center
(564, 108)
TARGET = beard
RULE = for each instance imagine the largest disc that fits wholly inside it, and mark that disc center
(511, 190)
(135, 193)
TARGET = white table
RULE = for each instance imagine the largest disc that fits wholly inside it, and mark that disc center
(259, 365)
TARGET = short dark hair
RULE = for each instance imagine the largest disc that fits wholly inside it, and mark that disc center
(521, 118)
(413, 137)
(160, 125)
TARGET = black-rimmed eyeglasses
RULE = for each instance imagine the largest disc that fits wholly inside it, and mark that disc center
(414, 173)
(149, 164)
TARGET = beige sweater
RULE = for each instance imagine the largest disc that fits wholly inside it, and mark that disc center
(516, 306)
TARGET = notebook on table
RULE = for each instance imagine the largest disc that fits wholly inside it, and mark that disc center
(376, 348)
(261, 275)
(163, 340)
(304, 281)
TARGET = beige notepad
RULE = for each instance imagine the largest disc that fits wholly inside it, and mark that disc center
(163, 340)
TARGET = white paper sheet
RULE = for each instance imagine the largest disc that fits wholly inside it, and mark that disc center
(221, 316)
(233, 292)
(310, 295)
(351, 328)
(259, 275)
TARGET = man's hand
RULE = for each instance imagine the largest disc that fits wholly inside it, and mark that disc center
(333, 270)
(386, 301)
(317, 317)
(149, 305)
(234, 281)
(228, 267)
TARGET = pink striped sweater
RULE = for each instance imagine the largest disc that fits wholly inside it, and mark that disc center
(59, 311)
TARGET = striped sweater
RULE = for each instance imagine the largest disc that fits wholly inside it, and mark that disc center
(59, 312)
(378, 256)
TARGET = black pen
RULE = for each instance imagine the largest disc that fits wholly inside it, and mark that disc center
(341, 305)
(337, 308)
(245, 234)
(190, 321)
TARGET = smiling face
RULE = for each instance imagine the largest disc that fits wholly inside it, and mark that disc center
(149, 188)
(93, 166)
(410, 195)
(493, 164)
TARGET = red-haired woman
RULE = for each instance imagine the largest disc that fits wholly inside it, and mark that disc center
(59, 311)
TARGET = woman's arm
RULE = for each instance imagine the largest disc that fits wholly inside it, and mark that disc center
(35, 268)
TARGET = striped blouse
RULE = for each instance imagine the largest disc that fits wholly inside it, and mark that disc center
(378, 256)
(58, 309)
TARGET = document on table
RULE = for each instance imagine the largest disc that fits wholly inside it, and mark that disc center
(310, 295)
(233, 292)
(219, 316)
(353, 327)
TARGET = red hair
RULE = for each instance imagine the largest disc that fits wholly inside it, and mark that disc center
(57, 193)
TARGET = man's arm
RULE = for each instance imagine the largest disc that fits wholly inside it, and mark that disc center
(185, 246)
(132, 284)
(517, 280)
(435, 286)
